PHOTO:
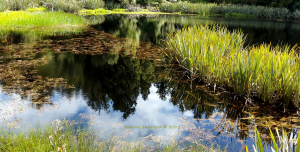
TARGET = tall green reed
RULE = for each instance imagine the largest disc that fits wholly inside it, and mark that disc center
(283, 141)
(218, 57)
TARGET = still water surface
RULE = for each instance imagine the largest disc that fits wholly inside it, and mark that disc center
(113, 92)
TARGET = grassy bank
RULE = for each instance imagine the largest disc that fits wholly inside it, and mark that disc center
(271, 74)
(206, 9)
(25, 20)
(65, 136)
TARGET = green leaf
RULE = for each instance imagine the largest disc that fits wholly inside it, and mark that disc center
(274, 141)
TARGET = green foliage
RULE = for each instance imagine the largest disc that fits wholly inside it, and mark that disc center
(296, 5)
(296, 14)
(269, 73)
(119, 10)
(92, 4)
(205, 9)
(2, 6)
(187, 7)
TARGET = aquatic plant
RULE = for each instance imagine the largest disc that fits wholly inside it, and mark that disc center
(20, 20)
(217, 57)
(283, 140)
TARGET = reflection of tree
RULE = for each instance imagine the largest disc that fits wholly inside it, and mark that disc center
(105, 78)
(226, 114)
(155, 29)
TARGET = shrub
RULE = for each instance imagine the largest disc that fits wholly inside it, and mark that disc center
(55, 5)
(2, 6)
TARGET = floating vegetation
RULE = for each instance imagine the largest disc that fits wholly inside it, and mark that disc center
(18, 61)
(17, 20)
(219, 60)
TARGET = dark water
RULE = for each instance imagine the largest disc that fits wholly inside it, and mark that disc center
(113, 92)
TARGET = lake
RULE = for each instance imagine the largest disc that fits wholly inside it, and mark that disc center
(113, 78)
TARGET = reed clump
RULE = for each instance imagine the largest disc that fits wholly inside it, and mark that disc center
(217, 56)
(15, 20)
(284, 144)
(206, 9)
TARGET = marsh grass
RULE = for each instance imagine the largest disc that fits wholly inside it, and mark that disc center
(217, 56)
(207, 9)
(21, 20)
(69, 136)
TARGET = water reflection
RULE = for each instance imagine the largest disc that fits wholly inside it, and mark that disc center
(130, 90)
(154, 29)
(103, 79)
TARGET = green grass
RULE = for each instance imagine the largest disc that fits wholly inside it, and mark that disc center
(223, 9)
(15, 20)
(64, 136)
(216, 55)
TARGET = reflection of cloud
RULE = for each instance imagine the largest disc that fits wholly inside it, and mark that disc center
(150, 112)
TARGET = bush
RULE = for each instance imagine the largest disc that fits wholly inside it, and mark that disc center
(2, 6)
(55, 5)
(93, 4)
